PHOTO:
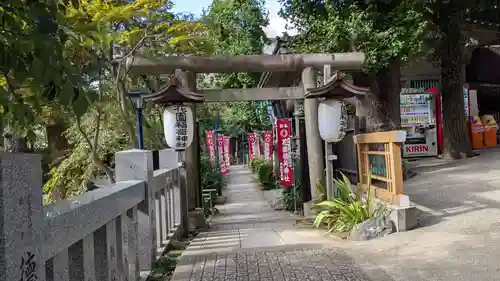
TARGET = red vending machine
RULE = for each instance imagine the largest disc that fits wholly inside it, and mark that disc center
(470, 100)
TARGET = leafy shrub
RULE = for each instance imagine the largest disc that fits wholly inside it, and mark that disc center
(321, 188)
(256, 162)
(210, 179)
(348, 209)
(266, 176)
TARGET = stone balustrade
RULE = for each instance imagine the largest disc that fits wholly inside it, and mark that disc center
(112, 233)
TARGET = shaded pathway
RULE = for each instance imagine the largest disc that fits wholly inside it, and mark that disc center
(249, 241)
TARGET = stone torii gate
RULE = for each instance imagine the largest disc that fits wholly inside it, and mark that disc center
(307, 63)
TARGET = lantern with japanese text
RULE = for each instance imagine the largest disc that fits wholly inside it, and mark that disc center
(178, 125)
(178, 120)
(332, 112)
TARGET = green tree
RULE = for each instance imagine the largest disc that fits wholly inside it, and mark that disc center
(236, 28)
(33, 73)
(106, 34)
(447, 17)
(388, 32)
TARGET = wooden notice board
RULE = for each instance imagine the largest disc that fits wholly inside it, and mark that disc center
(380, 154)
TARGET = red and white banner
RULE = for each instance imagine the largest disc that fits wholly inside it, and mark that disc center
(253, 147)
(211, 146)
(227, 141)
(268, 146)
(284, 136)
(222, 161)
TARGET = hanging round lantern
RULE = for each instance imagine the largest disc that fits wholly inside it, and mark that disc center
(332, 120)
(178, 126)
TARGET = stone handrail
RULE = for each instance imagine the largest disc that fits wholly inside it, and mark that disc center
(113, 233)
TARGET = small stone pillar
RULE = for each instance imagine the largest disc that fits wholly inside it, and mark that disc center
(137, 164)
(21, 217)
(168, 158)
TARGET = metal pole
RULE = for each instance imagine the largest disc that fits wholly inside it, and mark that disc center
(139, 129)
(184, 204)
(330, 187)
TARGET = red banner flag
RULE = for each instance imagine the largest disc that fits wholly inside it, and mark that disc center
(222, 161)
(252, 145)
(227, 142)
(284, 136)
(211, 147)
(268, 146)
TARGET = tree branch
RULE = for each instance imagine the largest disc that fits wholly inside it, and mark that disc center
(122, 91)
(82, 132)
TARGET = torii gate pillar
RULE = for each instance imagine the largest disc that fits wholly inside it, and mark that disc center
(192, 152)
(313, 139)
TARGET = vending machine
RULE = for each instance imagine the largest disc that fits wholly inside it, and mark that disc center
(419, 118)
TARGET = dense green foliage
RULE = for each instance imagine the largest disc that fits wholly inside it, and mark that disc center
(235, 28)
(210, 179)
(105, 34)
(391, 33)
(255, 163)
(71, 77)
(264, 173)
(383, 30)
(34, 74)
(266, 176)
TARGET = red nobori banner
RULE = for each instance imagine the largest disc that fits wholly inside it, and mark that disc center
(227, 149)
(284, 135)
(222, 161)
(268, 146)
(253, 145)
(211, 146)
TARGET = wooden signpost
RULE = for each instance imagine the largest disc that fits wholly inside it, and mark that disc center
(380, 154)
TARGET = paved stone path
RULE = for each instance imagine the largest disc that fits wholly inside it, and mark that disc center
(458, 240)
(249, 241)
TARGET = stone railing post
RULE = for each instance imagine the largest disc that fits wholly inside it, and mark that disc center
(138, 165)
(169, 159)
(184, 212)
(21, 217)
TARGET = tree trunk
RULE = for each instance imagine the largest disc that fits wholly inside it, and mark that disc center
(455, 133)
(56, 142)
(381, 109)
(58, 146)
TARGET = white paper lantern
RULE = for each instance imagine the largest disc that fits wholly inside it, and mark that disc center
(332, 120)
(178, 126)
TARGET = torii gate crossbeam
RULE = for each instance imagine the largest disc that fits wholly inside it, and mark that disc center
(249, 63)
